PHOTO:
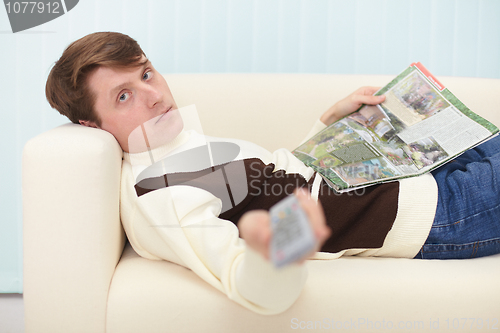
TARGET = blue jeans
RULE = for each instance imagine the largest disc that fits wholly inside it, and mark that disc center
(467, 220)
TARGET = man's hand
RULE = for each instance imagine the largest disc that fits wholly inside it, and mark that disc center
(351, 103)
(255, 226)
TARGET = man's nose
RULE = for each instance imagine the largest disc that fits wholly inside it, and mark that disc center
(153, 96)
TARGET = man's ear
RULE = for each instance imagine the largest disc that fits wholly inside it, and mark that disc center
(88, 123)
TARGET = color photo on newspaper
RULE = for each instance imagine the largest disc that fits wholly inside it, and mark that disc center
(418, 127)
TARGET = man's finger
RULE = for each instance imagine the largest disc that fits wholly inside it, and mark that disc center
(369, 99)
(255, 229)
(369, 90)
(315, 214)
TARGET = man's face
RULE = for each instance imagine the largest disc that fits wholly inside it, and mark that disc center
(131, 97)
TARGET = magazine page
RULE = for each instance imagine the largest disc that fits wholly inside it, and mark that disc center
(419, 126)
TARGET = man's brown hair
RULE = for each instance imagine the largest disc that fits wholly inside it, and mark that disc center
(67, 89)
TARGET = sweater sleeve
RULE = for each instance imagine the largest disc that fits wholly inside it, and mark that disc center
(180, 224)
(317, 127)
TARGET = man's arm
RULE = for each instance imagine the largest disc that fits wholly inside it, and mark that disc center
(181, 224)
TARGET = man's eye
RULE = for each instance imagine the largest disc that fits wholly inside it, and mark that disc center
(123, 97)
(147, 75)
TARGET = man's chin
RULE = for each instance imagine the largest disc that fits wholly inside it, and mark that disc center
(156, 132)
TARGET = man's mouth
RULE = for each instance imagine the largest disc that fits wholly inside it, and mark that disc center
(164, 113)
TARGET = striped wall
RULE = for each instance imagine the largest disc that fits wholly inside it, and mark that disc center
(451, 37)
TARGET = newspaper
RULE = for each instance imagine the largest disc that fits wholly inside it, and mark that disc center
(420, 126)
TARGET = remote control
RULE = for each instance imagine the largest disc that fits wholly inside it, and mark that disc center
(293, 236)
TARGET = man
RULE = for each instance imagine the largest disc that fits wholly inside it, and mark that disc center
(104, 80)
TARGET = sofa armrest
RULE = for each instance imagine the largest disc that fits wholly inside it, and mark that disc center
(73, 238)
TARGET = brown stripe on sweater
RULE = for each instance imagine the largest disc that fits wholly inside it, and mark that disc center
(360, 220)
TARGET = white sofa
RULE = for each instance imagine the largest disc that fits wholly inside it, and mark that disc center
(81, 276)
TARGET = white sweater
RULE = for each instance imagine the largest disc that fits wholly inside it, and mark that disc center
(180, 224)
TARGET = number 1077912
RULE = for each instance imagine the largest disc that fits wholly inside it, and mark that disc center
(33, 7)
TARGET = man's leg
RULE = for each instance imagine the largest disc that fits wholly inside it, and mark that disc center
(467, 221)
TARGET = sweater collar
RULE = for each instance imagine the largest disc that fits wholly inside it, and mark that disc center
(148, 157)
